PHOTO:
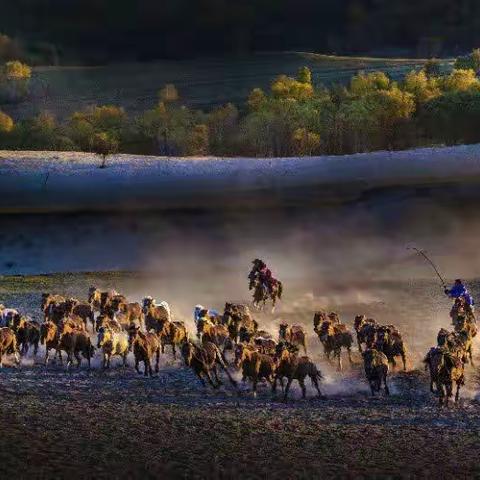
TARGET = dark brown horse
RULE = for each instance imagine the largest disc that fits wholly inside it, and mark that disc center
(261, 294)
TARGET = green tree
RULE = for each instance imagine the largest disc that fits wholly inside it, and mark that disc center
(432, 68)
(7, 128)
(6, 123)
(284, 87)
(469, 62)
(256, 99)
(85, 124)
(423, 87)
(459, 81)
(453, 118)
(365, 83)
(305, 142)
(304, 75)
(14, 81)
(104, 144)
(197, 141)
(222, 126)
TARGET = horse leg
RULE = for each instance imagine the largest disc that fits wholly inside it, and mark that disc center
(209, 378)
(337, 353)
(314, 380)
(202, 381)
(137, 362)
(349, 351)
(387, 390)
(303, 387)
(274, 384)
(157, 361)
(215, 372)
(255, 382)
(287, 388)
(77, 358)
(359, 344)
(47, 350)
(457, 393)
(404, 360)
(449, 393)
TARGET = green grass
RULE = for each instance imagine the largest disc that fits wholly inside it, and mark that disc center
(202, 83)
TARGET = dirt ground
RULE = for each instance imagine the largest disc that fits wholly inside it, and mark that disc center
(117, 424)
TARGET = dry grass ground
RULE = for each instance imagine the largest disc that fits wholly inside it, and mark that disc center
(117, 424)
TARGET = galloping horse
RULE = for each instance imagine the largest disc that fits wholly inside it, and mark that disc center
(461, 309)
(261, 294)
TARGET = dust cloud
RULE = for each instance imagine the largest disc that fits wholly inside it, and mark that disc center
(349, 258)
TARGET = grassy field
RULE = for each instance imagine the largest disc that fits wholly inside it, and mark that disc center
(202, 83)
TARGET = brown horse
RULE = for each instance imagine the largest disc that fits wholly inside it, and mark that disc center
(261, 294)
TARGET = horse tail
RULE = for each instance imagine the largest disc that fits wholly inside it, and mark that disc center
(280, 290)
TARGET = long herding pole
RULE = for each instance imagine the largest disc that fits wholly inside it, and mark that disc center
(424, 255)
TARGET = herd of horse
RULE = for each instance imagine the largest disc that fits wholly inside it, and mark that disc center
(108, 323)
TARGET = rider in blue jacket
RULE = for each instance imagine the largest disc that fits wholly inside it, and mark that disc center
(459, 290)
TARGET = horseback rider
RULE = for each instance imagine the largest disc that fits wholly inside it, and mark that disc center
(200, 312)
(261, 272)
(459, 290)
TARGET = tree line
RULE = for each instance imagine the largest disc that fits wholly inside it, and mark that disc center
(294, 117)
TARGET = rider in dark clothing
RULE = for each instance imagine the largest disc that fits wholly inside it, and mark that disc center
(263, 273)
